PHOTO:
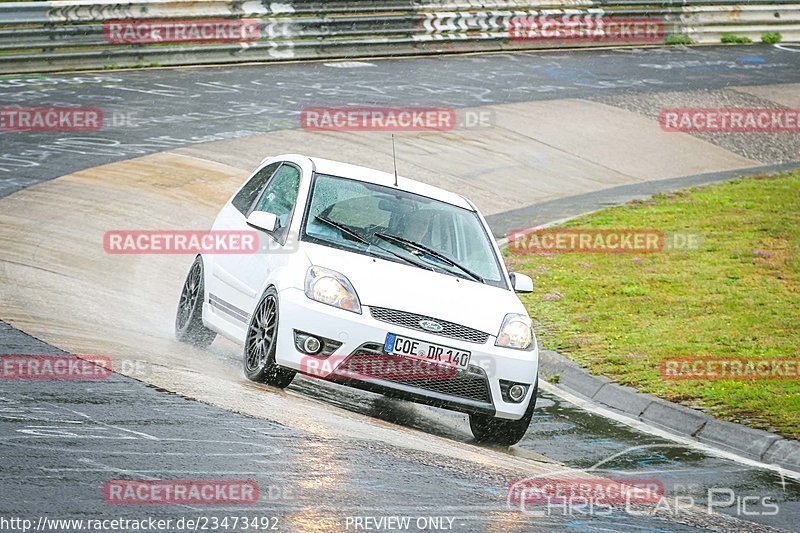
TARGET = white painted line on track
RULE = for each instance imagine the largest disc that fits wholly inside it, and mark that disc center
(644, 427)
(118, 428)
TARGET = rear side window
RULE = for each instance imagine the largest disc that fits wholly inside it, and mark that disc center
(245, 198)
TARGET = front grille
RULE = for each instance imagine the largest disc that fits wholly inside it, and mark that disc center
(412, 320)
(470, 384)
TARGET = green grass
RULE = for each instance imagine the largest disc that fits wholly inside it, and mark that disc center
(738, 295)
(771, 37)
(678, 38)
(730, 38)
(140, 64)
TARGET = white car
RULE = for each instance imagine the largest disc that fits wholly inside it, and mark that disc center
(375, 281)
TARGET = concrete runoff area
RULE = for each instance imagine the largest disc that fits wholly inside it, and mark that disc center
(534, 152)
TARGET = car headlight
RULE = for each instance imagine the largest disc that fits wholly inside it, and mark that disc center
(516, 332)
(332, 288)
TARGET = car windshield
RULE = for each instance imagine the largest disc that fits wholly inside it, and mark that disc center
(401, 226)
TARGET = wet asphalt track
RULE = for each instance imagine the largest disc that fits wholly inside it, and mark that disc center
(155, 110)
(61, 471)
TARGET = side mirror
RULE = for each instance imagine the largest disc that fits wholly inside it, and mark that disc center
(521, 282)
(264, 221)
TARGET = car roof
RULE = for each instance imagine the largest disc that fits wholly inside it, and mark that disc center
(369, 175)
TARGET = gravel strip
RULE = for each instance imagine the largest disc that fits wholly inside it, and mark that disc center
(768, 148)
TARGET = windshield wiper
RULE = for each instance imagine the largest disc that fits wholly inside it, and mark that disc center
(344, 229)
(430, 252)
(358, 238)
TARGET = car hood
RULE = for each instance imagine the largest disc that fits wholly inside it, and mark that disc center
(392, 285)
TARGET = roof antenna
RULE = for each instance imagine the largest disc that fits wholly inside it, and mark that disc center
(394, 158)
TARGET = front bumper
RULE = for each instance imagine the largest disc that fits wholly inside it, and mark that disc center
(476, 390)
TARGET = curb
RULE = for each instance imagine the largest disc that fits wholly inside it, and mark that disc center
(560, 210)
(674, 418)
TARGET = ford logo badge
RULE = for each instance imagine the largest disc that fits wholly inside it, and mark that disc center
(430, 325)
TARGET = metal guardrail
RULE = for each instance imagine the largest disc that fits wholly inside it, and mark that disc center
(63, 35)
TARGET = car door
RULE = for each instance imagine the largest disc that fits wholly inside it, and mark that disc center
(239, 279)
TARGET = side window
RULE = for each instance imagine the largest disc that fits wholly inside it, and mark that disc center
(280, 195)
(245, 198)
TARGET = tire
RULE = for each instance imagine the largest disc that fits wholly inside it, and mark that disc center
(491, 430)
(189, 326)
(261, 343)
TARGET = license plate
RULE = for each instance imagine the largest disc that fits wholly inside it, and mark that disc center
(433, 353)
